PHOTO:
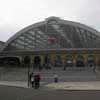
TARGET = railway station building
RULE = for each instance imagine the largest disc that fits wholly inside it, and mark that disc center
(53, 41)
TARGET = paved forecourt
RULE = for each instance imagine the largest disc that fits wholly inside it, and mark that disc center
(68, 79)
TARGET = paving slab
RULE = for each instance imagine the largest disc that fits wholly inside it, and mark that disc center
(14, 83)
(23, 84)
(95, 85)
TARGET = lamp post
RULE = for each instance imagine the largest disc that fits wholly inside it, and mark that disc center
(27, 64)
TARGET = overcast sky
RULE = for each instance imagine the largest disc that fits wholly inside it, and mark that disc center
(17, 14)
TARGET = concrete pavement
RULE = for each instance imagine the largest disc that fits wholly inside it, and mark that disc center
(69, 79)
(14, 83)
(91, 85)
(95, 85)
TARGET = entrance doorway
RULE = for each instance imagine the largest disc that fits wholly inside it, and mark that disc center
(12, 61)
(69, 61)
(80, 61)
(37, 62)
(47, 62)
(58, 61)
(91, 61)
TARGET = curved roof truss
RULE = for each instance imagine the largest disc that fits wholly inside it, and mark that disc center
(55, 23)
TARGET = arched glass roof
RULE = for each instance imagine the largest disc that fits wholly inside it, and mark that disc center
(54, 33)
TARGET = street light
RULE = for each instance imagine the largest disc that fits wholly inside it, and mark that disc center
(27, 64)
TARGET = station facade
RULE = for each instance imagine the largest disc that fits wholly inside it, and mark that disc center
(54, 41)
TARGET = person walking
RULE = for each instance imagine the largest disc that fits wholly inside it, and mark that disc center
(37, 79)
(32, 80)
(30, 75)
(55, 78)
(94, 68)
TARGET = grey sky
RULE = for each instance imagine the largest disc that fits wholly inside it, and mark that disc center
(17, 14)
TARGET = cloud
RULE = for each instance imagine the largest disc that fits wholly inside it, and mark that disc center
(17, 14)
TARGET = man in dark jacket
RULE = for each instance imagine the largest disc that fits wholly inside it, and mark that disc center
(37, 79)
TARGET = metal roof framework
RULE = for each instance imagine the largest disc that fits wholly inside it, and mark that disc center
(69, 35)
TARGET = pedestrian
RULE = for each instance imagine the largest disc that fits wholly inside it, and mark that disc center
(37, 79)
(30, 75)
(94, 68)
(32, 80)
(55, 78)
(64, 67)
